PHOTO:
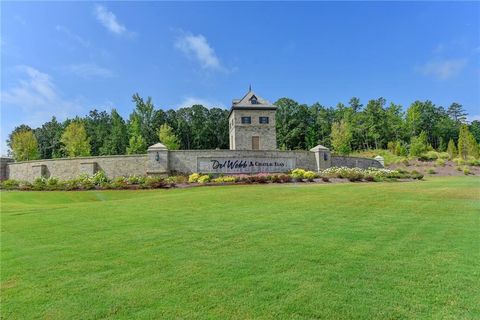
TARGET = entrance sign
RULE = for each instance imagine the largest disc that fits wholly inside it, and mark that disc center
(244, 165)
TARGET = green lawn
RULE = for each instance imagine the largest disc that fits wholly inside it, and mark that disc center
(296, 251)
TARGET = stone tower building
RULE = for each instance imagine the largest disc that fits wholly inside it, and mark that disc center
(252, 124)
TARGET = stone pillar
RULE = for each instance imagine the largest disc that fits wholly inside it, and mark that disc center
(157, 157)
(381, 160)
(4, 167)
(322, 157)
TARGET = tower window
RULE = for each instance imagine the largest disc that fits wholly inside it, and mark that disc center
(246, 120)
(253, 100)
(263, 120)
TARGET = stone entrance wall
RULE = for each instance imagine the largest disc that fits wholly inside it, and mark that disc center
(160, 161)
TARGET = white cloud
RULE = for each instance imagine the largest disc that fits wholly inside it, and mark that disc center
(443, 69)
(73, 36)
(38, 97)
(89, 70)
(474, 117)
(198, 48)
(190, 101)
(109, 20)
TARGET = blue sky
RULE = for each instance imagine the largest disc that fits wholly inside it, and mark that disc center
(65, 59)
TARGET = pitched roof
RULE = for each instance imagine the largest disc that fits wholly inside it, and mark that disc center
(249, 99)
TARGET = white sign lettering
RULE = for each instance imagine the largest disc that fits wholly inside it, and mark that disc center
(244, 165)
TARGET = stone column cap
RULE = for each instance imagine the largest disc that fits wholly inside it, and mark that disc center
(319, 148)
(156, 147)
(378, 158)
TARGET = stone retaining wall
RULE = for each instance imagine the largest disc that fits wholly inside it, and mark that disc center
(355, 162)
(160, 161)
(64, 169)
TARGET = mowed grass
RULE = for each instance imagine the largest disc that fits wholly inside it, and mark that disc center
(296, 251)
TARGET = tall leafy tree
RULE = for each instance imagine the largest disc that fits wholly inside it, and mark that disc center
(168, 138)
(24, 146)
(117, 141)
(341, 137)
(75, 140)
(146, 116)
(20, 128)
(48, 137)
(136, 143)
(98, 125)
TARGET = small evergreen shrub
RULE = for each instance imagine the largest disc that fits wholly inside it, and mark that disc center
(309, 175)
(443, 155)
(203, 179)
(473, 162)
(226, 179)
(39, 184)
(10, 184)
(193, 177)
(428, 156)
(431, 171)
(466, 171)
(99, 177)
(154, 183)
(53, 183)
(325, 179)
(440, 162)
(298, 174)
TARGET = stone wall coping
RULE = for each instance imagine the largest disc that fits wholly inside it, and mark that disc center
(85, 158)
(337, 156)
(228, 150)
(38, 165)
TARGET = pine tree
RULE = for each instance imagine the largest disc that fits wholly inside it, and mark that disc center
(451, 149)
(168, 138)
(75, 139)
(24, 146)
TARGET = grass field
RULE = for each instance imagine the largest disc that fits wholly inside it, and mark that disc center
(346, 251)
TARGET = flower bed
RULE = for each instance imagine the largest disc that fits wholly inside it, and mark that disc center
(100, 181)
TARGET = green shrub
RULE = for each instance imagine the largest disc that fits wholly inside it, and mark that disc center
(443, 155)
(369, 178)
(39, 184)
(25, 186)
(154, 183)
(406, 163)
(466, 171)
(459, 161)
(10, 184)
(227, 179)
(135, 180)
(431, 171)
(53, 183)
(428, 156)
(298, 174)
(325, 179)
(440, 162)
(193, 177)
(354, 176)
(309, 175)
(473, 162)
(203, 179)
(99, 177)
(86, 185)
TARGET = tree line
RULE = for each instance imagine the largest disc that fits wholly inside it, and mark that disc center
(343, 128)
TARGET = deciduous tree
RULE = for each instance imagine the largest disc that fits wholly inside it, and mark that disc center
(75, 140)
(24, 146)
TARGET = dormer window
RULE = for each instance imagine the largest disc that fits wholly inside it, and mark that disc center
(253, 100)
